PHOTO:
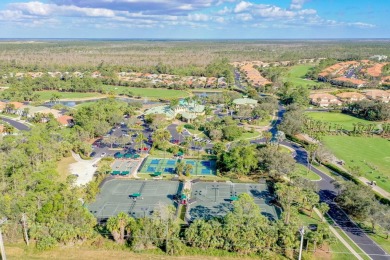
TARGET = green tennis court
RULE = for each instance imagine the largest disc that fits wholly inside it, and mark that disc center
(210, 199)
(136, 198)
(167, 166)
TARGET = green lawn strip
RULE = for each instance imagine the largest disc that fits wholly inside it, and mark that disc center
(47, 95)
(9, 115)
(352, 244)
(340, 247)
(248, 135)
(303, 172)
(371, 154)
(153, 93)
(296, 75)
(345, 120)
(338, 250)
(379, 236)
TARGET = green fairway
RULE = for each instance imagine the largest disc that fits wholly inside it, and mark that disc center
(47, 95)
(154, 93)
(296, 75)
(369, 153)
(303, 172)
(345, 120)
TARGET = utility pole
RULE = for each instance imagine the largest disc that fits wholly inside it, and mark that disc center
(302, 232)
(2, 250)
(24, 225)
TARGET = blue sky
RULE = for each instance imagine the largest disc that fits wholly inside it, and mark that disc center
(196, 19)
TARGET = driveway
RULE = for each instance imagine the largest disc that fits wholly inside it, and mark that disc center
(18, 125)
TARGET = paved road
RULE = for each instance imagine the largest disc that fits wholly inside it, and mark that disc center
(328, 193)
(16, 124)
(237, 80)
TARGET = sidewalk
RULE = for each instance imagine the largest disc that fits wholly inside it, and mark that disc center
(342, 240)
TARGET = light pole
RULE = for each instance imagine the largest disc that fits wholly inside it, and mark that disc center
(144, 210)
(215, 188)
(302, 232)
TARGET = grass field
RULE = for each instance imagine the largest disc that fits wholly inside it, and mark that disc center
(370, 154)
(339, 251)
(46, 95)
(110, 250)
(296, 75)
(153, 93)
(303, 172)
(345, 120)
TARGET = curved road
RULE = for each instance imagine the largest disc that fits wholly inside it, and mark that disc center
(328, 193)
(16, 124)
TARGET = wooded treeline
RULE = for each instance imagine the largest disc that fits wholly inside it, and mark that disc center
(85, 55)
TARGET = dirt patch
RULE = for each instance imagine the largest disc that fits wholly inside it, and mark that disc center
(63, 167)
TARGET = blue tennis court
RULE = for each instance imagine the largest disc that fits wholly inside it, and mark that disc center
(155, 161)
(206, 171)
(151, 169)
(206, 163)
(171, 162)
(168, 166)
(169, 170)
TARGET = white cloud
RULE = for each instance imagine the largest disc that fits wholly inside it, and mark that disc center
(198, 17)
(244, 17)
(242, 6)
(224, 11)
(297, 4)
(165, 13)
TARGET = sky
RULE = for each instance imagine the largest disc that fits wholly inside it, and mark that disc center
(195, 19)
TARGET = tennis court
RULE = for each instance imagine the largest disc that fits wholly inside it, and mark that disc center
(210, 199)
(136, 198)
(124, 167)
(167, 166)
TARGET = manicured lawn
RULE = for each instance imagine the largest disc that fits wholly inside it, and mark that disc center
(248, 135)
(345, 120)
(371, 154)
(46, 95)
(303, 172)
(296, 75)
(153, 93)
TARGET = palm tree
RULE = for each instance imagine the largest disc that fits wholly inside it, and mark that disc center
(139, 140)
(174, 103)
(120, 225)
(180, 129)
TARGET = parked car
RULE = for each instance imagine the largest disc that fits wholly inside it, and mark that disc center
(103, 154)
(92, 154)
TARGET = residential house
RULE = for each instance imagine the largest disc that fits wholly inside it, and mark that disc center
(324, 100)
(17, 107)
(65, 120)
(245, 102)
(253, 76)
(378, 95)
(188, 111)
(349, 97)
